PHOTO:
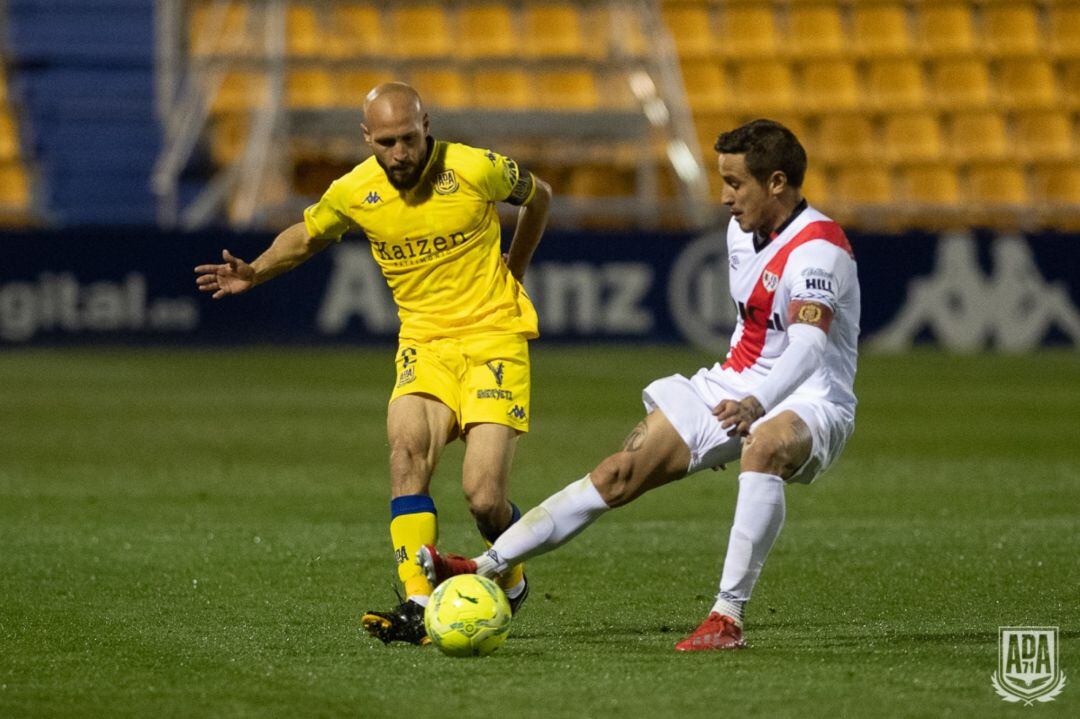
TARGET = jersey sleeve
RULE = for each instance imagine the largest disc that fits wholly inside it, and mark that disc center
(818, 272)
(326, 220)
(503, 181)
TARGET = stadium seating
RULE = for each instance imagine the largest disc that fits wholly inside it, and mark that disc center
(945, 28)
(997, 183)
(486, 30)
(895, 85)
(1026, 83)
(691, 26)
(1044, 135)
(880, 29)
(1011, 28)
(912, 137)
(814, 30)
(749, 31)
(1064, 33)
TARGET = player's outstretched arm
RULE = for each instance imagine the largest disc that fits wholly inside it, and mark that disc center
(532, 219)
(235, 276)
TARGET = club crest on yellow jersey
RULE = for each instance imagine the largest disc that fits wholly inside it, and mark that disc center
(446, 183)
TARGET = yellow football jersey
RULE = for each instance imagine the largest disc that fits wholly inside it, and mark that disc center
(438, 243)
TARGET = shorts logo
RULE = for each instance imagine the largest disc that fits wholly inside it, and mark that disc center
(446, 183)
(770, 280)
(495, 394)
(407, 375)
(517, 412)
(1028, 667)
(497, 370)
(372, 198)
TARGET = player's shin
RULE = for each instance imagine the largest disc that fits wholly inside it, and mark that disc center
(413, 524)
(513, 580)
(554, 522)
(759, 516)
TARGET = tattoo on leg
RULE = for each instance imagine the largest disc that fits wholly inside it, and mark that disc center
(636, 439)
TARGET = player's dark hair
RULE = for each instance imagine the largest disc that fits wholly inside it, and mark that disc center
(768, 146)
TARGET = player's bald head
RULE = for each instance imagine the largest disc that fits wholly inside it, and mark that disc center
(392, 103)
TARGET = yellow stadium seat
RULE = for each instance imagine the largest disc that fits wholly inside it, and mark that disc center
(600, 181)
(706, 86)
(815, 187)
(302, 36)
(945, 28)
(241, 91)
(237, 33)
(763, 87)
(354, 85)
(501, 89)
(1044, 135)
(1070, 81)
(3, 85)
(226, 137)
(309, 89)
(9, 136)
(829, 85)
(864, 184)
(1027, 83)
(486, 30)
(14, 186)
(931, 183)
(880, 29)
(997, 183)
(419, 30)
(567, 90)
(554, 30)
(978, 136)
(961, 84)
(357, 30)
(896, 84)
(440, 87)
(617, 29)
(846, 137)
(1057, 183)
(1011, 27)
(1064, 35)
(912, 137)
(749, 30)
(691, 26)
(814, 30)
(709, 125)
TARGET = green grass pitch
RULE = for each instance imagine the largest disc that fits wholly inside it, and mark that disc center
(197, 534)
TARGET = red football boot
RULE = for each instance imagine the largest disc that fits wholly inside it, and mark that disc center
(716, 632)
(440, 567)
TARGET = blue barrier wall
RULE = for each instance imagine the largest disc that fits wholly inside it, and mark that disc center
(964, 291)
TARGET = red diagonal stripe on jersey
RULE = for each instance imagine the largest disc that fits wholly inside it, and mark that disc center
(759, 307)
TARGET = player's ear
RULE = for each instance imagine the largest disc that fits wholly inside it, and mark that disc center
(367, 133)
(777, 182)
(427, 124)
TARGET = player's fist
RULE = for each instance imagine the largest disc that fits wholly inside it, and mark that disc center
(737, 416)
(233, 277)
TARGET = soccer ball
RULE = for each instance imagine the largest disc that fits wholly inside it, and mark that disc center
(467, 616)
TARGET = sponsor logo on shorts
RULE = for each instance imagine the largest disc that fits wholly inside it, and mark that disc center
(517, 412)
(495, 394)
(407, 375)
(497, 370)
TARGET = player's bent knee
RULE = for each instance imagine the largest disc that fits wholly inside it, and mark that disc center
(779, 453)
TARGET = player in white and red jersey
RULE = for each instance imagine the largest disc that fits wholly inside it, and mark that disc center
(782, 403)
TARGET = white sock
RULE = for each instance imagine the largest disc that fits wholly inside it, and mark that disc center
(759, 515)
(554, 522)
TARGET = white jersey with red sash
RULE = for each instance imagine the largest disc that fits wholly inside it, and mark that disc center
(809, 259)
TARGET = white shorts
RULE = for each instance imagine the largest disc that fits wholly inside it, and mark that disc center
(688, 406)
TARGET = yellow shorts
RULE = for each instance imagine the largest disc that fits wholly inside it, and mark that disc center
(482, 379)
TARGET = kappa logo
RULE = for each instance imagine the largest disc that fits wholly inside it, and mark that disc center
(497, 370)
(1012, 308)
(446, 183)
(517, 412)
(770, 280)
(372, 198)
(1028, 669)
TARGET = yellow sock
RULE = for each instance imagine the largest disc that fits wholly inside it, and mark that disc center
(413, 523)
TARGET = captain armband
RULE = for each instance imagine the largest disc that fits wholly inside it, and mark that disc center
(523, 184)
(815, 314)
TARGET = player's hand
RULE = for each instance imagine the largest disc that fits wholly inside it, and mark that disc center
(232, 278)
(737, 416)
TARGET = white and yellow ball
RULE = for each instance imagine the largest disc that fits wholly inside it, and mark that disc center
(467, 616)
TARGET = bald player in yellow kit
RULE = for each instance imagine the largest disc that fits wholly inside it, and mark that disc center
(428, 209)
